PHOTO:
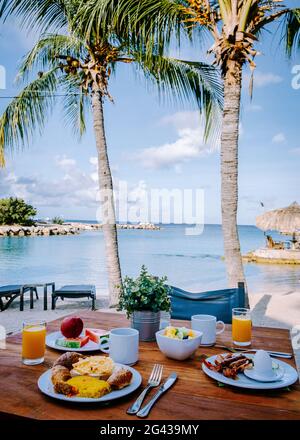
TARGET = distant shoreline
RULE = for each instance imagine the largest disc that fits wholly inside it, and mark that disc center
(160, 224)
(68, 228)
(74, 227)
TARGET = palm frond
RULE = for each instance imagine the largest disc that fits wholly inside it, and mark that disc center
(27, 112)
(187, 82)
(292, 31)
(41, 14)
(76, 104)
(225, 9)
(148, 22)
(44, 55)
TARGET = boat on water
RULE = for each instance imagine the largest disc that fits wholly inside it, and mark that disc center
(286, 221)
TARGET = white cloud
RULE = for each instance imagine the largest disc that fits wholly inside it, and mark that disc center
(279, 138)
(262, 79)
(181, 120)
(94, 176)
(93, 160)
(137, 194)
(73, 187)
(65, 162)
(188, 146)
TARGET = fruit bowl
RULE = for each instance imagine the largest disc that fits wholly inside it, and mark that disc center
(179, 349)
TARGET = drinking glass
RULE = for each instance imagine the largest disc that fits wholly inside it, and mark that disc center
(241, 326)
(165, 320)
(33, 342)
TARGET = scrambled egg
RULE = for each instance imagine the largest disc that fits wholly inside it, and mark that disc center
(101, 366)
(89, 386)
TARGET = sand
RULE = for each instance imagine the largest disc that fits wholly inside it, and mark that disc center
(269, 309)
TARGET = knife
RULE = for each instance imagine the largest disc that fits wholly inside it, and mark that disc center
(162, 389)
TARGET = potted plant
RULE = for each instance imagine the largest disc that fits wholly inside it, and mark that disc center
(143, 299)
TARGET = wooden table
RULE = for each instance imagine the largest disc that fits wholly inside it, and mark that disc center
(194, 396)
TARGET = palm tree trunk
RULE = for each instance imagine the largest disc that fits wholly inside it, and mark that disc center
(107, 202)
(229, 174)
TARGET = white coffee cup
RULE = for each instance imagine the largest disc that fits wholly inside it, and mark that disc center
(207, 324)
(122, 345)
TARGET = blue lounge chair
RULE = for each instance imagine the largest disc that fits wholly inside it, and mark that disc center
(216, 302)
(75, 291)
(11, 292)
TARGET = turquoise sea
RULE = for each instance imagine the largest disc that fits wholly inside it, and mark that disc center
(190, 262)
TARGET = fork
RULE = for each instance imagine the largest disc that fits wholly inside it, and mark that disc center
(154, 381)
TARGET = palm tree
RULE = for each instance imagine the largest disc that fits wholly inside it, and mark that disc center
(78, 66)
(234, 27)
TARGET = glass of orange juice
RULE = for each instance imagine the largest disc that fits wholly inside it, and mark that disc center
(33, 342)
(241, 326)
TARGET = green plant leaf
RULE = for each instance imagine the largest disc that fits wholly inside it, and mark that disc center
(146, 292)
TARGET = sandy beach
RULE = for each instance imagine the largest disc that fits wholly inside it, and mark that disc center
(281, 310)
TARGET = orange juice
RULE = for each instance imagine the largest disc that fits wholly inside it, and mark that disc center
(33, 343)
(241, 329)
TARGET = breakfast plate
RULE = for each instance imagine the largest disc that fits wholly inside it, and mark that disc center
(53, 337)
(45, 385)
(289, 377)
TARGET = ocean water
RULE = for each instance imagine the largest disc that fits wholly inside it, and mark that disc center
(189, 262)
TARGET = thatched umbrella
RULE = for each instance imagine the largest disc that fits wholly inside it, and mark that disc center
(284, 220)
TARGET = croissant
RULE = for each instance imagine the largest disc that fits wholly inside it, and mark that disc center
(68, 359)
(120, 379)
(59, 377)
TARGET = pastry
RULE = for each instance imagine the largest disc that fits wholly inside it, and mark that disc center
(68, 359)
(120, 379)
(60, 375)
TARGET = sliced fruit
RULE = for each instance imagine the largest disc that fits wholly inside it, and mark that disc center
(96, 334)
(72, 342)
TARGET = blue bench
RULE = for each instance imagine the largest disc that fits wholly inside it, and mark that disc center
(216, 302)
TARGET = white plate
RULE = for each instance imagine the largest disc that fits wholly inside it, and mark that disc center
(52, 337)
(290, 377)
(46, 386)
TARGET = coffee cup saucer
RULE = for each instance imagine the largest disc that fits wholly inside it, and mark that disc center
(274, 375)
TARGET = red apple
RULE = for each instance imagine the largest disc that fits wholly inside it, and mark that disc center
(71, 327)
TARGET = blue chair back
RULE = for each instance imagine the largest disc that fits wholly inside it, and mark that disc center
(216, 302)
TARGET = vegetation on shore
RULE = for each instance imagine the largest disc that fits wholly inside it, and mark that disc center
(14, 210)
(58, 220)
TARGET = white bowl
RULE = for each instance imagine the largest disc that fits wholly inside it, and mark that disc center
(178, 349)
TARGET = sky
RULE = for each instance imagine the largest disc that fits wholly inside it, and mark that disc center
(156, 145)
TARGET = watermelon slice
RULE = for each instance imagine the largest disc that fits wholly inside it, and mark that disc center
(96, 334)
(72, 342)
